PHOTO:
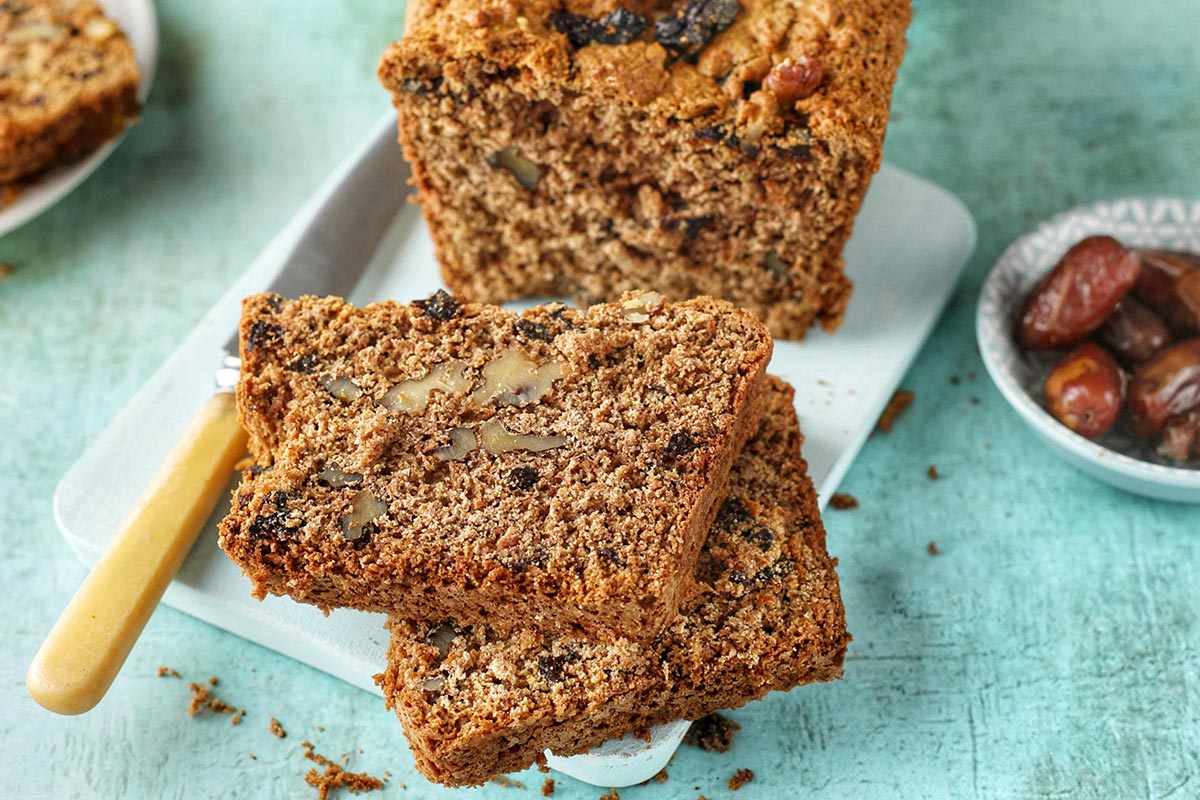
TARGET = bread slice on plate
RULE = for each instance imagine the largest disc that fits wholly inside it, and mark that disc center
(475, 703)
(68, 83)
(453, 460)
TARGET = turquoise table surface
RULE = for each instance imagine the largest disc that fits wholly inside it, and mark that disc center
(1051, 650)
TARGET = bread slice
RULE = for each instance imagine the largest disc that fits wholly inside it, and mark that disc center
(68, 83)
(475, 703)
(688, 146)
(562, 471)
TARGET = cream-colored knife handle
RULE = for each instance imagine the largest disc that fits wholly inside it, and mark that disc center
(87, 646)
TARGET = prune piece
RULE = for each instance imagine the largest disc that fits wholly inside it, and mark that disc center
(1078, 294)
(1133, 332)
(681, 444)
(1085, 390)
(691, 225)
(262, 334)
(1181, 436)
(306, 364)
(611, 556)
(275, 301)
(552, 667)
(686, 32)
(732, 513)
(533, 330)
(272, 523)
(791, 81)
(799, 153)
(1170, 284)
(441, 305)
(1166, 385)
(618, 27)
(765, 575)
(522, 478)
(762, 537)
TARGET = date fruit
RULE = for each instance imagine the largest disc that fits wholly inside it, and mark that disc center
(1085, 390)
(1134, 333)
(1181, 436)
(1078, 294)
(1170, 284)
(1165, 386)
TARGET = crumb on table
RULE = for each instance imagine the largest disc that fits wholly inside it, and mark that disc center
(611, 794)
(6, 269)
(843, 501)
(932, 549)
(932, 473)
(276, 729)
(167, 672)
(713, 733)
(901, 400)
(202, 698)
(336, 776)
(548, 787)
(740, 779)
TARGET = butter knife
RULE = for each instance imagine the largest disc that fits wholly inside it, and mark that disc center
(88, 644)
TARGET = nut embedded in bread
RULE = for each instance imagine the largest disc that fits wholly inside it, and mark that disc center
(449, 459)
(769, 617)
(693, 146)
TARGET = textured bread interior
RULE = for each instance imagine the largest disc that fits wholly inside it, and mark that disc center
(475, 703)
(640, 169)
(601, 531)
(68, 83)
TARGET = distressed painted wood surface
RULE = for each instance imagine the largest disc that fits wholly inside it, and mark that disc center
(1049, 651)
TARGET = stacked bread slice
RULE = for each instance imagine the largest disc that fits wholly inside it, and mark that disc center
(580, 523)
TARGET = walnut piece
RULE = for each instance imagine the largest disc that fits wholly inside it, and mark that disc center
(343, 389)
(525, 171)
(413, 395)
(499, 439)
(462, 442)
(364, 508)
(637, 309)
(335, 477)
(515, 380)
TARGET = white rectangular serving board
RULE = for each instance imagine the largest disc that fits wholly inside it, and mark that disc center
(910, 243)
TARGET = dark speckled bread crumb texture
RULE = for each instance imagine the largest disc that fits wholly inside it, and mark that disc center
(68, 83)
(546, 168)
(475, 703)
(602, 532)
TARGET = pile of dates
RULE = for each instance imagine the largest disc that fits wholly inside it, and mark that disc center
(1131, 321)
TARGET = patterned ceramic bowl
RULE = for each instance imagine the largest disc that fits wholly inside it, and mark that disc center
(1119, 457)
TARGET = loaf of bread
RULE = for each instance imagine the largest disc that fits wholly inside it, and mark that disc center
(691, 147)
(453, 460)
(68, 83)
(769, 616)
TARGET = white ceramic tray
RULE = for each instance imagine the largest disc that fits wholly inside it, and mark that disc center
(910, 244)
(137, 19)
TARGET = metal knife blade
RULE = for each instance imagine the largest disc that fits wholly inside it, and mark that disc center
(334, 250)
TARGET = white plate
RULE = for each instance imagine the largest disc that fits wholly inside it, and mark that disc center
(1119, 458)
(910, 244)
(137, 19)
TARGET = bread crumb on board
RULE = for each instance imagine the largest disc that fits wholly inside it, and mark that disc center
(276, 729)
(901, 400)
(202, 698)
(548, 787)
(713, 733)
(167, 672)
(843, 501)
(336, 776)
(740, 779)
